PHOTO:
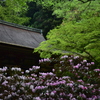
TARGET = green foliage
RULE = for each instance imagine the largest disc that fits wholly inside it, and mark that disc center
(70, 9)
(30, 13)
(77, 10)
(41, 17)
(14, 11)
(78, 34)
(81, 37)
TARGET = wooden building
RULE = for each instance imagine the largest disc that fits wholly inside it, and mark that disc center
(17, 44)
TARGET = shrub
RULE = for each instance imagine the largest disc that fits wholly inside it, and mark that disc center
(78, 84)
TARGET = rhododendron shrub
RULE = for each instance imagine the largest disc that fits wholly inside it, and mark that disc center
(16, 84)
(77, 68)
(74, 66)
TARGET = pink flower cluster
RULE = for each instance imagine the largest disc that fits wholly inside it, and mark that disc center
(77, 80)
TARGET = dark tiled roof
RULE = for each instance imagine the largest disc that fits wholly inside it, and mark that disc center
(18, 35)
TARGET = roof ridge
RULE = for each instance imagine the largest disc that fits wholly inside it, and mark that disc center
(21, 26)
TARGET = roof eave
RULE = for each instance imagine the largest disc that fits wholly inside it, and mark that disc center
(17, 45)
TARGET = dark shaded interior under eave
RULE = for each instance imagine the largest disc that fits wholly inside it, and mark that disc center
(13, 56)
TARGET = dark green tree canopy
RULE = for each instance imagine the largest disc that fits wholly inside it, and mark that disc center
(42, 18)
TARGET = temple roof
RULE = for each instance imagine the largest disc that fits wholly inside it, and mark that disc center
(19, 35)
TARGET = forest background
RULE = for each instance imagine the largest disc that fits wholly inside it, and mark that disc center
(70, 26)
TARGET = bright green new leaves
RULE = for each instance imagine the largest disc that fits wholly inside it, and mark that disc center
(76, 10)
(81, 38)
(78, 34)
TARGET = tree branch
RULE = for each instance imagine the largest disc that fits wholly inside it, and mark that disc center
(91, 57)
(85, 1)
